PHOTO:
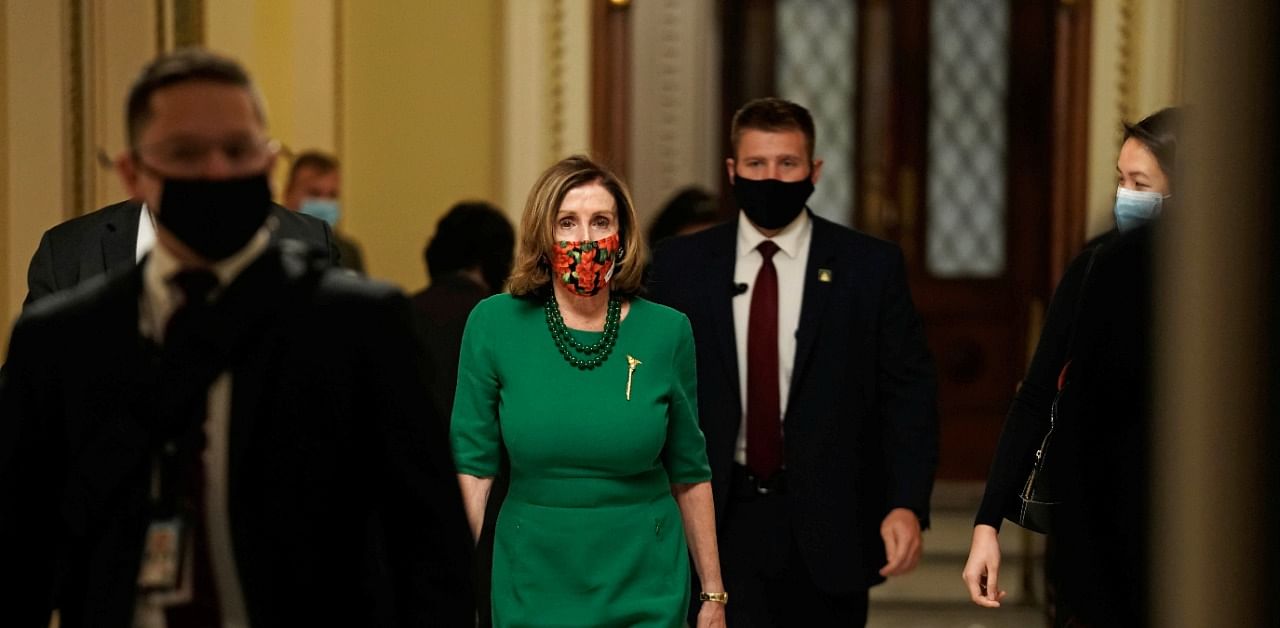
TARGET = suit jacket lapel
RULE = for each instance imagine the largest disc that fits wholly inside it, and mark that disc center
(819, 273)
(259, 305)
(252, 303)
(721, 258)
(120, 238)
(122, 443)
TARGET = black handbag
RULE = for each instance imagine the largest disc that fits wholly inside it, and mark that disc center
(1037, 499)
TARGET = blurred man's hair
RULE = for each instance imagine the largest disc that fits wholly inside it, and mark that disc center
(183, 66)
(322, 163)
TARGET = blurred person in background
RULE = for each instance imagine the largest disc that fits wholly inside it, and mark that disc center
(177, 449)
(1094, 348)
(116, 237)
(691, 210)
(314, 189)
(468, 260)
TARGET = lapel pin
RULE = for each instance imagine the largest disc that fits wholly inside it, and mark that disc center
(824, 275)
(632, 363)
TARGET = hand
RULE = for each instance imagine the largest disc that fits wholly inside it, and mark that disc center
(902, 541)
(982, 570)
(711, 615)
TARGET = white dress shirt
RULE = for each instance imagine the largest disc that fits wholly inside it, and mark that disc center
(160, 298)
(790, 262)
(146, 234)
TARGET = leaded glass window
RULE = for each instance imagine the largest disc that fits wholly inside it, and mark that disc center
(815, 68)
(968, 85)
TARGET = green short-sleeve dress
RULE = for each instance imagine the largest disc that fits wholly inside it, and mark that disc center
(589, 534)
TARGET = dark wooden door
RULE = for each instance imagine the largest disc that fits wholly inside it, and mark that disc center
(959, 156)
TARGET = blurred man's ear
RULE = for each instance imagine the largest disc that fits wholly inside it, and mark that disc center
(728, 164)
(271, 168)
(816, 171)
(128, 171)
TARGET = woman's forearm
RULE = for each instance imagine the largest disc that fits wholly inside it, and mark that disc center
(475, 495)
(698, 513)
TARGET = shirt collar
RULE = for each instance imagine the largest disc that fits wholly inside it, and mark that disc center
(788, 240)
(162, 265)
(146, 234)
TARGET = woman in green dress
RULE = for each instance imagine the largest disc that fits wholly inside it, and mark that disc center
(592, 391)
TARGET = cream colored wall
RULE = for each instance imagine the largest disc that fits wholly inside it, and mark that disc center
(4, 179)
(406, 92)
(421, 94)
(410, 94)
(546, 77)
(116, 54)
(1136, 62)
(34, 146)
(675, 126)
(289, 47)
(37, 161)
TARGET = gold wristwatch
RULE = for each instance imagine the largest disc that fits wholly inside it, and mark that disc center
(722, 598)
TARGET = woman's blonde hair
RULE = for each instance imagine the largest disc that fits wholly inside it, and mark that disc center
(531, 274)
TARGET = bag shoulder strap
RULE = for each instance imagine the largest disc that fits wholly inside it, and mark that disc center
(1075, 314)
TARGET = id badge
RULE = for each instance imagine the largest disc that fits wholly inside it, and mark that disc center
(162, 556)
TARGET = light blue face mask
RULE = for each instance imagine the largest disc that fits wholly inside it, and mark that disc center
(1134, 208)
(325, 209)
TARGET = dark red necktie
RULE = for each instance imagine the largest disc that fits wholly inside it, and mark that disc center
(204, 609)
(764, 415)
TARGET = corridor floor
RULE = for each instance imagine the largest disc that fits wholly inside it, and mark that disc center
(934, 596)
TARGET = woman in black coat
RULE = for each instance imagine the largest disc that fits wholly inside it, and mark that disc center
(1094, 337)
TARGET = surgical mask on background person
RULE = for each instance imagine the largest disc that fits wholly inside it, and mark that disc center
(770, 203)
(326, 209)
(1135, 208)
(214, 217)
(586, 266)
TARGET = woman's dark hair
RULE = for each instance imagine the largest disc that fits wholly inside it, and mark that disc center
(1159, 133)
(473, 233)
(690, 206)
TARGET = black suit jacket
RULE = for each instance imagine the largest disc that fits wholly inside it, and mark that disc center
(861, 418)
(106, 240)
(441, 312)
(1102, 447)
(342, 499)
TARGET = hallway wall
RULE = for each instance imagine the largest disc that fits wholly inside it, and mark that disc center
(504, 84)
(420, 95)
(1136, 65)
(32, 156)
(405, 93)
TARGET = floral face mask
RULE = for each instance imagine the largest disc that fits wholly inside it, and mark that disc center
(586, 266)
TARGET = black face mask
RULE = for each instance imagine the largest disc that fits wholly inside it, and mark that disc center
(770, 203)
(215, 217)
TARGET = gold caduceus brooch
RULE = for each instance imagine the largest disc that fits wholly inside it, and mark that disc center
(632, 363)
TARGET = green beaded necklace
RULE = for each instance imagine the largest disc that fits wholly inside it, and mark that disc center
(596, 352)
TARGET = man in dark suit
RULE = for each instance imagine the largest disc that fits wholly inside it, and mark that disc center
(117, 236)
(176, 446)
(816, 391)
